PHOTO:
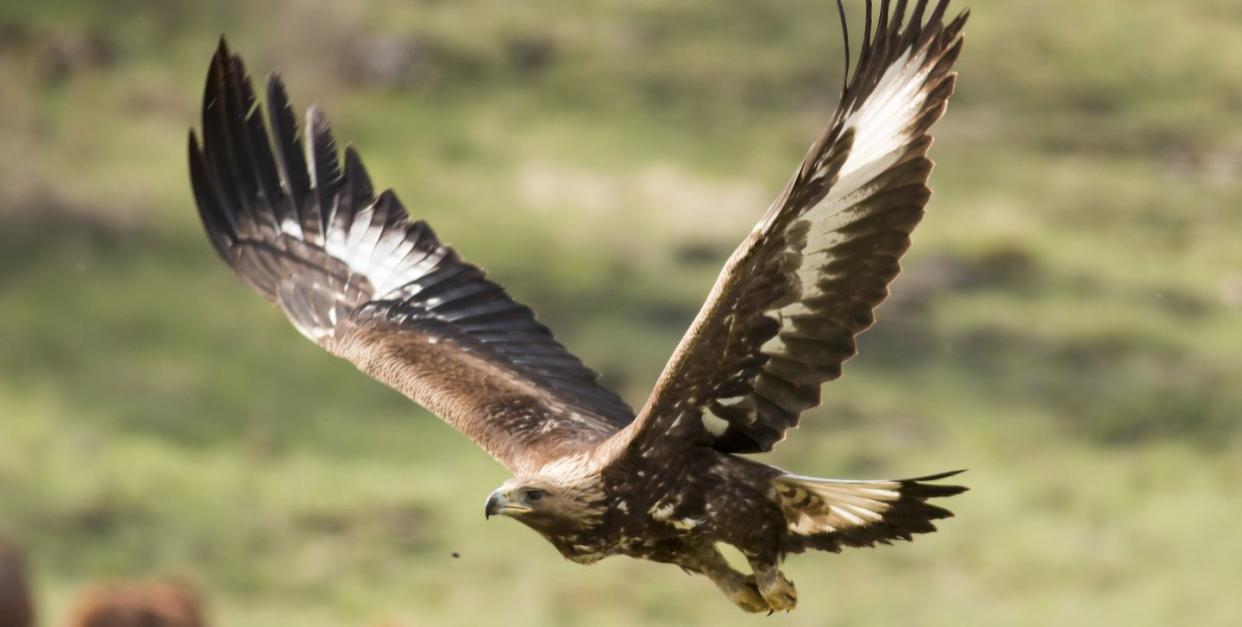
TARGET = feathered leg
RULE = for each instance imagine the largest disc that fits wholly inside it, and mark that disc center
(741, 589)
(778, 591)
(741, 516)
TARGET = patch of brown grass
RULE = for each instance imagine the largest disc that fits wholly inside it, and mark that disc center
(139, 604)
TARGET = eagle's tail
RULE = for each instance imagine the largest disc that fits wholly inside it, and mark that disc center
(827, 514)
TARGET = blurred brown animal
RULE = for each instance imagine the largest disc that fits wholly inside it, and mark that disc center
(139, 604)
(16, 608)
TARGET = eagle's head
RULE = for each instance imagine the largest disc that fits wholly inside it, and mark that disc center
(546, 505)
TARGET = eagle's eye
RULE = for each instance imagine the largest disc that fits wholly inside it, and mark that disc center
(534, 496)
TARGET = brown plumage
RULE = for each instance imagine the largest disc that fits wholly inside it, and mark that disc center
(354, 273)
(138, 604)
(16, 606)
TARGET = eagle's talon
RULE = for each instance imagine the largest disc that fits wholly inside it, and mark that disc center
(779, 592)
(745, 594)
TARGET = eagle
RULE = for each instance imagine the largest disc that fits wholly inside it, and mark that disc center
(670, 483)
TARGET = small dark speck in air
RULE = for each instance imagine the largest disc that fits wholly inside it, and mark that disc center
(456, 555)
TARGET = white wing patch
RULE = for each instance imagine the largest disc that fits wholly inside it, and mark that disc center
(383, 253)
(881, 125)
(881, 121)
(714, 424)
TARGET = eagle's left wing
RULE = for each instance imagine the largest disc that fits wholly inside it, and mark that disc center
(357, 275)
(783, 314)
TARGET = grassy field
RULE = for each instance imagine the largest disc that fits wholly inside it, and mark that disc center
(1068, 325)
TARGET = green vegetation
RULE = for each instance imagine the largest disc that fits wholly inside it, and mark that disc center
(1068, 326)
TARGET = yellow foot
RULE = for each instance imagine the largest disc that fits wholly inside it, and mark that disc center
(779, 593)
(746, 595)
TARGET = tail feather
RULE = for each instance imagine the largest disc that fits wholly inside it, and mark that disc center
(828, 514)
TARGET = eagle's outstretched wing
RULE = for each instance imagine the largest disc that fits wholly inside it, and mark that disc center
(783, 314)
(355, 274)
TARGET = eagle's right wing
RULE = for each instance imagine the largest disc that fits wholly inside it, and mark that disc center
(355, 274)
(782, 317)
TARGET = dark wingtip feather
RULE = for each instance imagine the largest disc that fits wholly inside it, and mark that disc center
(922, 488)
(287, 145)
(355, 174)
(845, 44)
(219, 230)
(938, 476)
(325, 163)
(356, 193)
(222, 54)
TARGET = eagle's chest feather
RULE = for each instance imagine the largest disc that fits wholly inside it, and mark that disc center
(648, 513)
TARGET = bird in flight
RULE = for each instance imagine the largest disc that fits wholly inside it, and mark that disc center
(357, 275)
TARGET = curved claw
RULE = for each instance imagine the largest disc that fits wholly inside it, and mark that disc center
(779, 592)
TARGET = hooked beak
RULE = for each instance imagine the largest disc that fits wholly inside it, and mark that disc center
(498, 503)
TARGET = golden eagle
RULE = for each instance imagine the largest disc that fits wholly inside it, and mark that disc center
(355, 274)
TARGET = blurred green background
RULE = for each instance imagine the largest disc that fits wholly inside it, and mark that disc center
(1069, 324)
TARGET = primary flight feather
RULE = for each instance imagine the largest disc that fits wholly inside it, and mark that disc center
(358, 276)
